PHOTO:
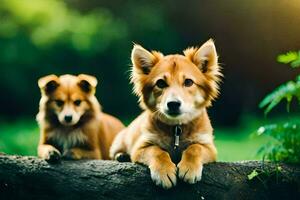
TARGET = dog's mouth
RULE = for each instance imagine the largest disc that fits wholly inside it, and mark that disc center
(173, 114)
(67, 123)
(179, 117)
(64, 123)
(68, 120)
(170, 114)
(171, 117)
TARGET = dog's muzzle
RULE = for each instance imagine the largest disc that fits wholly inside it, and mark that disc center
(173, 108)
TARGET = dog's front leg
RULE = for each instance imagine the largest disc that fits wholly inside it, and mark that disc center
(191, 164)
(48, 152)
(163, 170)
(78, 153)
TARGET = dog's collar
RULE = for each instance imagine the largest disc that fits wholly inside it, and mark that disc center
(177, 131)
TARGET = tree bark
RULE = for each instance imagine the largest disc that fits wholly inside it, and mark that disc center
(33, 178)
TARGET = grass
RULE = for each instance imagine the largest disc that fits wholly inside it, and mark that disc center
(19, 137)
(233, 144)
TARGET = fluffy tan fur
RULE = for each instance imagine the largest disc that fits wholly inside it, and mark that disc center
(193, 80)
(90, 132)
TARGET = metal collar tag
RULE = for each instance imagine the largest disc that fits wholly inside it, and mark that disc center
(177, 133)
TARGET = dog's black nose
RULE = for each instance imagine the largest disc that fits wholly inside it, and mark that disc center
(68, 118)
(173, 107)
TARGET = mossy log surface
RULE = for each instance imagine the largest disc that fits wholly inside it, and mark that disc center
(32, 178)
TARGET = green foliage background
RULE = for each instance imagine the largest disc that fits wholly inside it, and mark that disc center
(50, 36)
(284, 144)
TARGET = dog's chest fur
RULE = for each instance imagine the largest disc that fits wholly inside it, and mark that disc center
(167, 141)
(65, 140)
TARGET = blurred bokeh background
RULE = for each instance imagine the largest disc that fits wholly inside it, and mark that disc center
(96, 36)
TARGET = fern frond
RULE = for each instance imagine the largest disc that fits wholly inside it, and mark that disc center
(286, 91)
(285, 143)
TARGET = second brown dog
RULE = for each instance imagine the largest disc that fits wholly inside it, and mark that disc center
(71, 122)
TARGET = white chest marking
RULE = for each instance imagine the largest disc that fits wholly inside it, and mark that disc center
(202, 138)
(66, 139)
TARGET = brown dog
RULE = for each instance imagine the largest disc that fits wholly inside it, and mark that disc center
(174, 91)
(70, 119)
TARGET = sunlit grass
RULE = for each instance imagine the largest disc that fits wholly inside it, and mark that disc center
(240, 143)
(236, 144)
(233, 144)
(20, 137)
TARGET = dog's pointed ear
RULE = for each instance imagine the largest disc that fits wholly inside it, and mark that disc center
(205, 57)
(143, 60)
(87, 83)
(48, 84)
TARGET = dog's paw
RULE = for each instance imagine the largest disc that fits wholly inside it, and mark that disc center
(53, 156)
(190, 172)
(164, 175)
(71, 155)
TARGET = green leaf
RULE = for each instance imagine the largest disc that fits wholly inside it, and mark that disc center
(252, 175)
(298, 78)
(284, 142)
(272, 104)
(288, 57)
(295, 63)
(285, 91)
(289, 99)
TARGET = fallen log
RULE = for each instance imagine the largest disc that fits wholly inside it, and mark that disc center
(33, 178)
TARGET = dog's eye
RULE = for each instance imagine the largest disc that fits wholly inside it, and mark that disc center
(59, 103)
(77, 102)
(161, 83)
(188, 82)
